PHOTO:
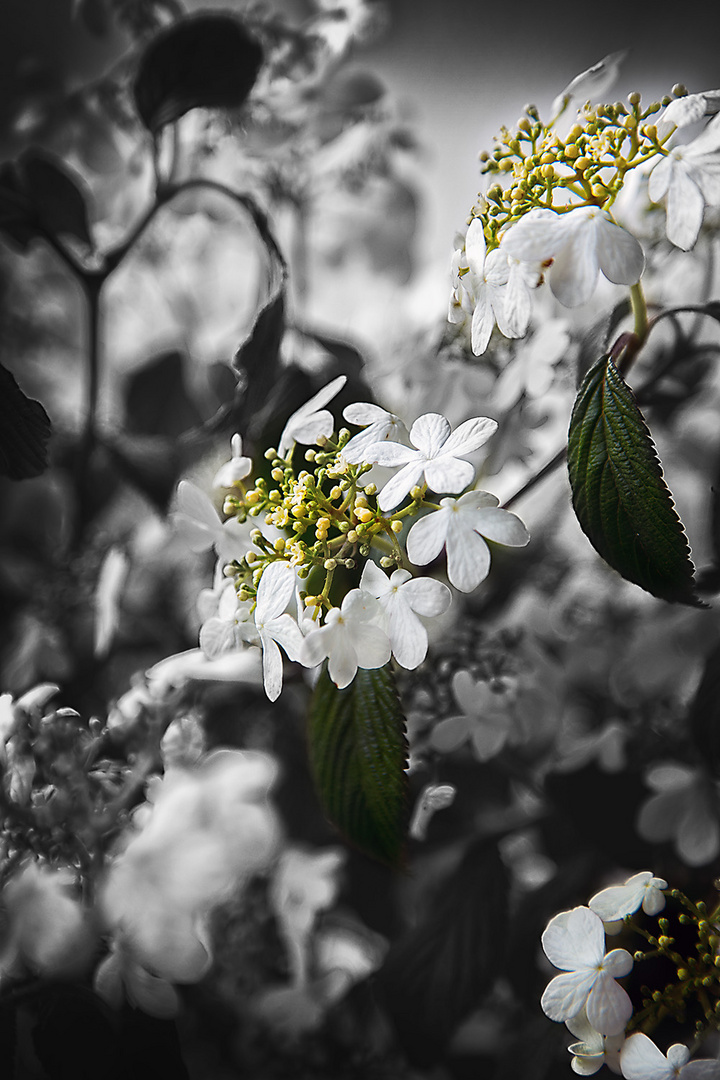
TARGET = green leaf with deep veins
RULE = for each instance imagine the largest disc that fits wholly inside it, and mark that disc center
(620, 497)
(358, 754)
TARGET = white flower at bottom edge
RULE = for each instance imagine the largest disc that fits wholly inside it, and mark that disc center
(593, 1049)
(402, 598)
(617, 901)
(459, 526)
(580, 243)
(351, 637)
(276, 589)
(574, 941)
(640, 1059)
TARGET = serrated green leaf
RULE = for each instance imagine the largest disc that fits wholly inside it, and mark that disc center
(620, 497)
(358, 755)
(206, 61)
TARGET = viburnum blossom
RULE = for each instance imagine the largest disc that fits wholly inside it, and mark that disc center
(437, 454)
(402, 598)
(688, 178)
(459, 526)
(485, 720)
(381, 426)
(641, 890)
(236, 469)
(593, 1050)
(687, 109)
(312, 420)
(580, 243)
(491, 288)
(640, 1059)
(351, 637)
(274, 626)
(574, 941)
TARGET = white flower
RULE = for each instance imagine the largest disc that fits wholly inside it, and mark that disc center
(687, 110)
(617, 901)
(350, 638)
(303, 884)
(486, 719)
(579, 242)
(199, 524)
(459, 526)
(402, 598)
(382, 425)
(236, 469)
(684, 809)
(594, 1050)
(590, 85)
(437, 456)
(688, 178)
(312, 420)
(274, 593)
(640, 1059)
(229, 624)
(574, 941)
(493, 288)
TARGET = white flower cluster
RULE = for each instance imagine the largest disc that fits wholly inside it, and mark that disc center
(587, 997)
(382, 616)
(553, 218)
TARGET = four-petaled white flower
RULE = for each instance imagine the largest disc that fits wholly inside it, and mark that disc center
(459, 526)
(688, 178)
(438, 455)
(486, 720)
(641, 890)
(490, 287)
(403, 598)
(351, 637)
(274, 593)
(236, 469)
(312, 420)
(580, 243)
(574, 941)
(593, 1050)
(382, 426)
(640, 1059)
(684, 809)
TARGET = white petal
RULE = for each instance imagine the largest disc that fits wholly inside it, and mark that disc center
(685, 210)
(574, 938)
(482, 324)
(488, 737)
(617, 900)
(621, 257)
(399, 486)
(275, 591)
(565, 995)
(390, 454)
(468, 556)
(365, 412)
(374, 581)
(316, 645)
(705, 1069)
(470, 436)
(608, 1006)
(446, 473)
(408, 636)
(430, 433)
(475, 246)
(450, 733)
(272, 667)
(151, 994)
(427, 596)
(287, 633)
(659, 179)
(342, 661)
(617, 963)
(371, 644)
(574, 272)
(678, 1055)
(536, 237)
(640, 1059)
(501, 526)
(427, 536)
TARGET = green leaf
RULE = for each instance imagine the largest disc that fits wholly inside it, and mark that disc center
(358, 755)
(205, 61)
(620, 497)
(24, 431)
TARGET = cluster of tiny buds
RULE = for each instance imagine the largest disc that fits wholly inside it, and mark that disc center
(328, 518)
(587, 165)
